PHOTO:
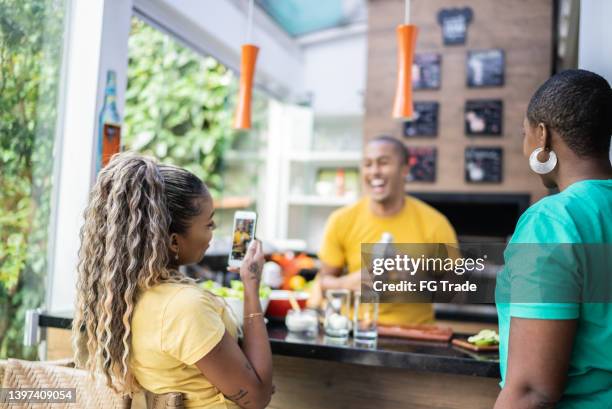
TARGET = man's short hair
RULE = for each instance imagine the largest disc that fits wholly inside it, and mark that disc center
(577, 104)
(399, 146)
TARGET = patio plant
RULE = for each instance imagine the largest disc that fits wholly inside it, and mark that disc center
(178, 104)
(31, 38)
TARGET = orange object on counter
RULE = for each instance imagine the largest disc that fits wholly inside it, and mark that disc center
(242, 120)
(297, 283)
(406, 43)
(291, 266)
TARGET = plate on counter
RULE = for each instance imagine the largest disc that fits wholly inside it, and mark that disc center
(463, 343)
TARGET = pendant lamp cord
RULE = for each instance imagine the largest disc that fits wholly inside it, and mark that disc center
(249, 22)
(407, 12)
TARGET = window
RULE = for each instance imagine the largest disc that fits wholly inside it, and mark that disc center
(179, 109)
(31, 40)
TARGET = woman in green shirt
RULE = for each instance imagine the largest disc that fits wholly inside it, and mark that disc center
(556, 351)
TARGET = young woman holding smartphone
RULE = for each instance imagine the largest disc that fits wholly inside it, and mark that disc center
(142, 323)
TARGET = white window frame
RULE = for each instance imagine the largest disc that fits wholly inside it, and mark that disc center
(98, 32)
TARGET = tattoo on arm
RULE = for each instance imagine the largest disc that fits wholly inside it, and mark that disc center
(254, 270)
(239, 395)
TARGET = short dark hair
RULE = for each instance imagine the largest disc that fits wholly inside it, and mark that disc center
(578, 105)
(399, 146)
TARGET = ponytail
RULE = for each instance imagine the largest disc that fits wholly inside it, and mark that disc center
(133, 208)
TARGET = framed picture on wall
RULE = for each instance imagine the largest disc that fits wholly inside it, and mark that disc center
(485, 68)
(454, 24)
(483, 117)
(426, 71)
(422, 161)
(425, 121)
(483, 165)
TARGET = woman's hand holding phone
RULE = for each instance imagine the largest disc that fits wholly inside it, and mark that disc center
(252, 266)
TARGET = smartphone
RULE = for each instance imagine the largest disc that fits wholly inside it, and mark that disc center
(242, 235)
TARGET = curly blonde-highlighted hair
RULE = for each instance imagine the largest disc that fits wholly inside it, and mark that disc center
(134, 207)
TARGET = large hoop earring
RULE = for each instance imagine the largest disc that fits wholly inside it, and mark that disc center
(542, 168)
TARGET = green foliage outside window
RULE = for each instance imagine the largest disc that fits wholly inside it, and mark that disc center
(31, 38)
(178, 104)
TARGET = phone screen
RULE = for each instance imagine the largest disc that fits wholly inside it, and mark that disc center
(244, 230)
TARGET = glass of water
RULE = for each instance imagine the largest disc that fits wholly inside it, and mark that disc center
(337, 318)
(365, 316)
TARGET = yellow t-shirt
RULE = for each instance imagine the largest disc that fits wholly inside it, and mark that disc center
(173, 327)
(350, 226)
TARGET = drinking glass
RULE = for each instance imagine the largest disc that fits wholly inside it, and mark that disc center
(365, 316)
(337, 318)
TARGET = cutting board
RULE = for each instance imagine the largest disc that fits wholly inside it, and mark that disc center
(462, 343)
(418, 332)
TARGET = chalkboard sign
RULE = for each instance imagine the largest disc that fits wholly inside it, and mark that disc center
(426, 71)
(422, 161)
(425, 120)
(485, 68)
(454, 24)
(483, 117)
(483, 165)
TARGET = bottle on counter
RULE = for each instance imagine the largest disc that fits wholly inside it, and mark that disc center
(109, 141)
(379, 250)
(386, 238)
(383, 247)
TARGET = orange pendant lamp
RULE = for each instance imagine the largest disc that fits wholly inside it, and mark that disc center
(406, 43)
(248, 59)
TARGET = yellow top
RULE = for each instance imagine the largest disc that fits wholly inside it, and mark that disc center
(173, 327)
(350, 226)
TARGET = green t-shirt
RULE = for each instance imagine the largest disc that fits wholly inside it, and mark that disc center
(582, 213)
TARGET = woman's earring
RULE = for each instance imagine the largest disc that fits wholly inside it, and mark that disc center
(542, 168)
(176, 255)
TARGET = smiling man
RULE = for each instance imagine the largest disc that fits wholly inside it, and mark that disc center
(384, 209)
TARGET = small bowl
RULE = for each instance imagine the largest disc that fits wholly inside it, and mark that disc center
(279, 302)
(304, 321)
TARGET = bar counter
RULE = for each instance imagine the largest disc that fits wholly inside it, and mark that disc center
(388, 353)
(324, 373)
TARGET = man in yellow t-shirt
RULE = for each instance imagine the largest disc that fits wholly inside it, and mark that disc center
(241, 239)
(384, 209)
